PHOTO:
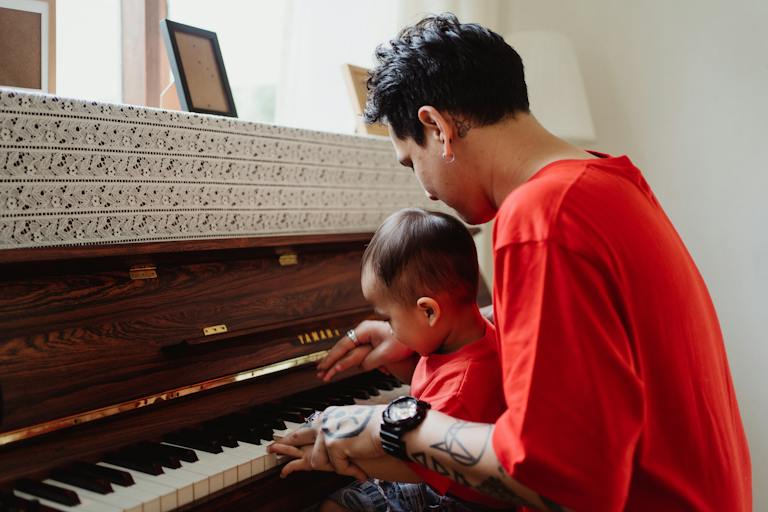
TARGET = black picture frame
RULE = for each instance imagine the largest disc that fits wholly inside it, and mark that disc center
(170, 30)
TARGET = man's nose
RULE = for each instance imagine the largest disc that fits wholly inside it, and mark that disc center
(431, 196)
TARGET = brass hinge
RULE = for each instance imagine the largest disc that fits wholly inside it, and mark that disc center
(287, 256)
(214, 329)
(143, 272)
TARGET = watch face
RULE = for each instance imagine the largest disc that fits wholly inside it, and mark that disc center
(402, 410)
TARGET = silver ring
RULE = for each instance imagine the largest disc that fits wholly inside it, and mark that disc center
(351, 334)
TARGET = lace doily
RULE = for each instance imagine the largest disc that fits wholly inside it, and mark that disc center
(74, 172)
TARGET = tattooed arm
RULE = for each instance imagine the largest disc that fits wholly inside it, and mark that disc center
(345, 437)
(463, 452)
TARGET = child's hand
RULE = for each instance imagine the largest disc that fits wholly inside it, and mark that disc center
(301, 455)
(376, 346)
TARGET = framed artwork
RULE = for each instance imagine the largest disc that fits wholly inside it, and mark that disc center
(28, 44)
(356, 78)
(198, 69)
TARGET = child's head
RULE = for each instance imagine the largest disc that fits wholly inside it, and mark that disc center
(419, 266)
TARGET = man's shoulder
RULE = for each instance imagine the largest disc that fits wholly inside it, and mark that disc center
(581, 191)
(529, 211)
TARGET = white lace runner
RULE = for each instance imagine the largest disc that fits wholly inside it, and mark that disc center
(74, 172)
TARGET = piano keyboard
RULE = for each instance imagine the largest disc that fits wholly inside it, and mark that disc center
(192, 463)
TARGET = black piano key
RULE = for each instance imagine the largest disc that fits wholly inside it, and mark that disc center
(339, 398)
(249, 437)
(313, 404)
(269, 420)
(393, 380)
(384, 384)
(220, 433)
(184, 454)
(194, 439)
(48, 492)
(149, 453)
(11, 503)
(369, 388)
(285, 413)
(355, 392)
(116, 476)
(245, 428)
(260, 431)
(82, 480)
(134, 462)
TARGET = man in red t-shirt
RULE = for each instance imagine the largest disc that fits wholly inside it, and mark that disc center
(617, 386)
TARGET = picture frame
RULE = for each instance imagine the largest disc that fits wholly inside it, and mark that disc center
(28, 45)
(357, 85)
(198, 69)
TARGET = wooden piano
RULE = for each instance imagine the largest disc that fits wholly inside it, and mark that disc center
(105, 347)
(167, 282)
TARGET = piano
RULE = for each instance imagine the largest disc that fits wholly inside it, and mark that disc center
(167, 283)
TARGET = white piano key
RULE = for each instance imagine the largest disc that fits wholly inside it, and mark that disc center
(243, 456)
(261, 457)
(152, 485)
(85, 505)
(218, 471)
(202, 487)
(122, 501)
(260, 460)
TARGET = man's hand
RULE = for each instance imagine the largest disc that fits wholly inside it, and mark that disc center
(338, 437)
(376, 347)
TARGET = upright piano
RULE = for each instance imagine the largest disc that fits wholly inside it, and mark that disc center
(167, 283)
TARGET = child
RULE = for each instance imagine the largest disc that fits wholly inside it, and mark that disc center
(421, 275)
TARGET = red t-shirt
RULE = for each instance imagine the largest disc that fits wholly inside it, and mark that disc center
(467, 385)
(618, 391)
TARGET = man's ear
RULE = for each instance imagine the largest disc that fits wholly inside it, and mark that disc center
(440, 127)
(430, 308)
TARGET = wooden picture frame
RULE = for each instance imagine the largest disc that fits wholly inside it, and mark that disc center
(28, 44)
(357, 78)
(198, 69)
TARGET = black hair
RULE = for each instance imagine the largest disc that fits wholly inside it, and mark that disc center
(460, 68)
(417, 252)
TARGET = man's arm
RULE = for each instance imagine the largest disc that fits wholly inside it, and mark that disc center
(463, 452)
(345, 437)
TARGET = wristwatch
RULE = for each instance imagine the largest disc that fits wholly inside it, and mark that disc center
(401, 415)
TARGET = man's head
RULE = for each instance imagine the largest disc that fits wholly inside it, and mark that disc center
(462, 69)
(434, 84)
(419, 265)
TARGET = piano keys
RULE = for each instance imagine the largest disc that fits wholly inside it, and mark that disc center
(184, 467)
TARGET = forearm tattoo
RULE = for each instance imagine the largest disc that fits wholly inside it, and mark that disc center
(465, 443)
(343, 422)
(455, 442)
(495, 488)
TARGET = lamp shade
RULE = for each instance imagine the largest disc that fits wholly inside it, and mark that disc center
(555, 88)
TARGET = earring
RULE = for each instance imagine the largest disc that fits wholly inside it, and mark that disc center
(453, 158)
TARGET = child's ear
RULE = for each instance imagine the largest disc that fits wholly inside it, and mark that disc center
(430, 308)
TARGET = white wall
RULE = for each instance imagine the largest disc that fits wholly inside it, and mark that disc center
(682, 88)
(88, 32)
